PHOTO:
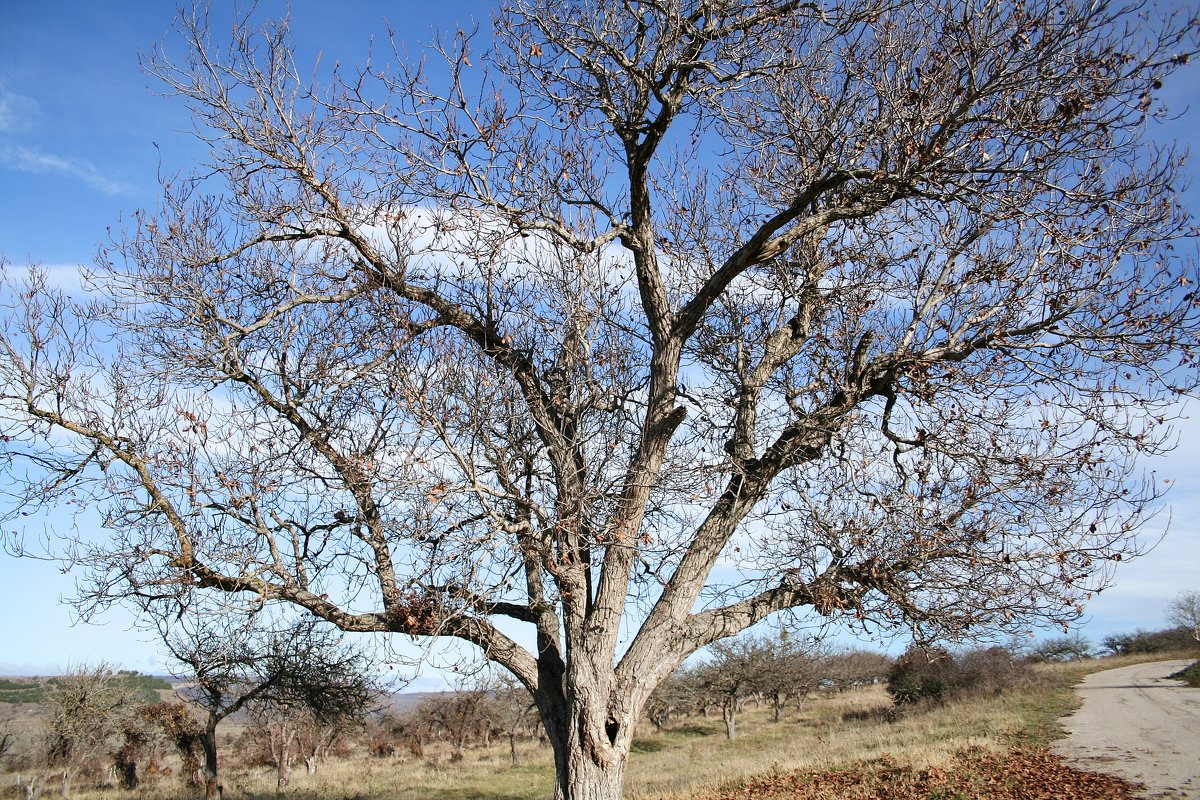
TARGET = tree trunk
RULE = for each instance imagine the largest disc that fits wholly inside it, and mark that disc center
(583, 775)
(729, 714)
(283, 758)
(208, 743)
(127, 773)
(581, 778)
(513, 751)
(310, 764)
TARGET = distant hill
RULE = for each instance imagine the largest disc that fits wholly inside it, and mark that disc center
(34, 690)
(153, 688)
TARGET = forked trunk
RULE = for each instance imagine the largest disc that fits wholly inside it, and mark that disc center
(729, 712)
(283, 756)
(780, 700)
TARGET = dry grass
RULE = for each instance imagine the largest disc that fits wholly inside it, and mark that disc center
(692, 759)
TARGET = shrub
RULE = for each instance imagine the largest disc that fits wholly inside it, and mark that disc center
(1142, 641)
(932, 673)
(923, 673)
(992, 670)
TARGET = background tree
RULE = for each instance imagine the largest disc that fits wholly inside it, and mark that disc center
(738, 669)
(1143, 641)
(519, 713)
(792, 669)
(871, 303)
(86, 709)
(176, 722)
(282, 672)
(854, 667)
(1062, 648)
(925, 673)
(680, 692)
(1184, 612)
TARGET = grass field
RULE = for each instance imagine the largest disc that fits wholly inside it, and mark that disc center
(1190, 675)
(849, 733)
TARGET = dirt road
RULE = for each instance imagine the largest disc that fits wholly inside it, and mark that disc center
(1137, 723)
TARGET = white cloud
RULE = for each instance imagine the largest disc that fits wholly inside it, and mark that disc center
(75, 280)
(27, 159)
(16, 112)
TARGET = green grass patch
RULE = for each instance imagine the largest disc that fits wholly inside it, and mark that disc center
(21, 691)
(146, 688)
(1190, 675)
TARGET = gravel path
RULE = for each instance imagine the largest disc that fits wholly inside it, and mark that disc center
(1138, 724)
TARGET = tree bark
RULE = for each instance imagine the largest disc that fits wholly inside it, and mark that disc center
(580, 777)
(729, 714)
(582, 772)
(283, 757)
(208, 742)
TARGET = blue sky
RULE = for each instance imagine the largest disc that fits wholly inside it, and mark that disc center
(82, 139)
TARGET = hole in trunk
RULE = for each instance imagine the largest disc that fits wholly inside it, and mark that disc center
(610, 729)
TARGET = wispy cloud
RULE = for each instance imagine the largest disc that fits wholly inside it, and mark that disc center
(17, 112)
(28, 159)
(77, 280)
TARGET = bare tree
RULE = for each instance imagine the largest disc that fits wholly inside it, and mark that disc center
(300, 668)
(680, 692)
(1184, 612)
(874, 304)
(1061, 648)
(739, 668)
(852, 667)
(792, 668)
(515, 710)
(86, 710)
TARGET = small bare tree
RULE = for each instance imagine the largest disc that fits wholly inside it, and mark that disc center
(280, 673)
(655, 316)
(1184, 612)
(738, 669)
(515, 710)
(87, 708)
(792, 668)
(460, 716)
(1061, 648)
(853, 667)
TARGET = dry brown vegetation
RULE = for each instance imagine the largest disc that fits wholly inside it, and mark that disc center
(844, 745)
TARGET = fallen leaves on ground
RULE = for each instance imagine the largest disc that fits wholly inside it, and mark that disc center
(1025, 773)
